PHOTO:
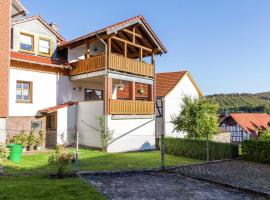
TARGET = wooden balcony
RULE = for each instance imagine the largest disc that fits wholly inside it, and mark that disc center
(91, 64)
(115, 62)
(127, 107)
(120, 63)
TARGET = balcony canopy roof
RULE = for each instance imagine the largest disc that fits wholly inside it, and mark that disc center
(133, 27)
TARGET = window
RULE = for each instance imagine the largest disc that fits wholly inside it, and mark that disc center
(92, 94)
(36, 125)
(27, 42)
(44, 46)
(24, 92)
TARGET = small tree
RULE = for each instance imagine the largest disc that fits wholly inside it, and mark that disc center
(105, 136)
(61, 160)
(197, 118)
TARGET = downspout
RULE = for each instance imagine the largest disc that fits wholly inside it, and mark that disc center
(106, 82)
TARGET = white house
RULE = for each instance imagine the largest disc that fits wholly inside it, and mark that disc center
(57, 86)
(171, 88)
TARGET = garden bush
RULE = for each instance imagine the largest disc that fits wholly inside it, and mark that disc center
(194, 148)
(256, 150)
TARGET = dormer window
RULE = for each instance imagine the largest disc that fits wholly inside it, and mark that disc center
(27, 42)
(44, 47)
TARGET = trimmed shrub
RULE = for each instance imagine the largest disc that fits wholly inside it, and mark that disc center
(256, 150)
(194, 148)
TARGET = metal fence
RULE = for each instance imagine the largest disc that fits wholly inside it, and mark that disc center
(124, 152)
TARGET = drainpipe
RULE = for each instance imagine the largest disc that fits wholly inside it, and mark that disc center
(106, 67)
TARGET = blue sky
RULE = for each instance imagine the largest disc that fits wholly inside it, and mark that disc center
(225, 44)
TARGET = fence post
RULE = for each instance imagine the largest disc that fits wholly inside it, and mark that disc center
(77, 149)
(207, 148)
(162, 136)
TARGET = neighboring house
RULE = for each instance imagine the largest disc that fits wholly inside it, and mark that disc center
(244, 126)
(171, 88)
(56, 85)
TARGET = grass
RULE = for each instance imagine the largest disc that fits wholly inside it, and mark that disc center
(98, 161)
(40, 187)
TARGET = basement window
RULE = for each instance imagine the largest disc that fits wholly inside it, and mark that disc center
(26, 42)
(36, 125)
(24, 92)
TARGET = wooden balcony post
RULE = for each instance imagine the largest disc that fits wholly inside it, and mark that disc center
(141, 54)
(109, 46)
(107, 94)
(150, 92)
(125, 49)
(132, 92)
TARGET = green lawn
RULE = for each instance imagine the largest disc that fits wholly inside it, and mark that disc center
(99, 161)
(40, 187)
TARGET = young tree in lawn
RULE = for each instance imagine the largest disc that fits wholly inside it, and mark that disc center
(197, 118)
(105, 133)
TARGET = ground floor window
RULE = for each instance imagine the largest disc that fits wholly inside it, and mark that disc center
(93, 94)
(23, 92)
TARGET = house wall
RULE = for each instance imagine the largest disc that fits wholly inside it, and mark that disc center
(237, 133)
(44, 87)
(132, 134)
(36, 28)
(73, 90)
(87, 124)
(5, 7)
(77, 53)
(66, 124)
(173, 102)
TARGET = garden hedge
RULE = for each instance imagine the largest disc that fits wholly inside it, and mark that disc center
(256, 150)
(194, 148)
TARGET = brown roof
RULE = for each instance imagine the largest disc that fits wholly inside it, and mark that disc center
(119, 24)
(166, 81)
(37, 59)
(55, 108)
(251, 122)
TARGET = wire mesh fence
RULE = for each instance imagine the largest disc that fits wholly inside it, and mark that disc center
(122, 152)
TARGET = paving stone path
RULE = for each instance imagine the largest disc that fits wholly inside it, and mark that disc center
(249, 175)
(162, 186)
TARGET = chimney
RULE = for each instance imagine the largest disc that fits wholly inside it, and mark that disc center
(55, 27)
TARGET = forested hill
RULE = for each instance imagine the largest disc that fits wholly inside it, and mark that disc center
(242, 102)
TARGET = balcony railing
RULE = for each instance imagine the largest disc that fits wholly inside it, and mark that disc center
(116, 62)
(91, 64)
(132, 66)
(127, 107)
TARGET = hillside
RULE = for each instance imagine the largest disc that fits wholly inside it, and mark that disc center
(242, 102)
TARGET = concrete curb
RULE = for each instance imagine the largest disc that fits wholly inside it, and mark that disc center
(116, 173)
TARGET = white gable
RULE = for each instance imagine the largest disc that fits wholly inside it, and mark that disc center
(33, 27)
(174, 101)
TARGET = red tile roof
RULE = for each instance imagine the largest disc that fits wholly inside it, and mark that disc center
(55, 108)
(251, 122)
(38, 59)
(166, 81)
(115, 26)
